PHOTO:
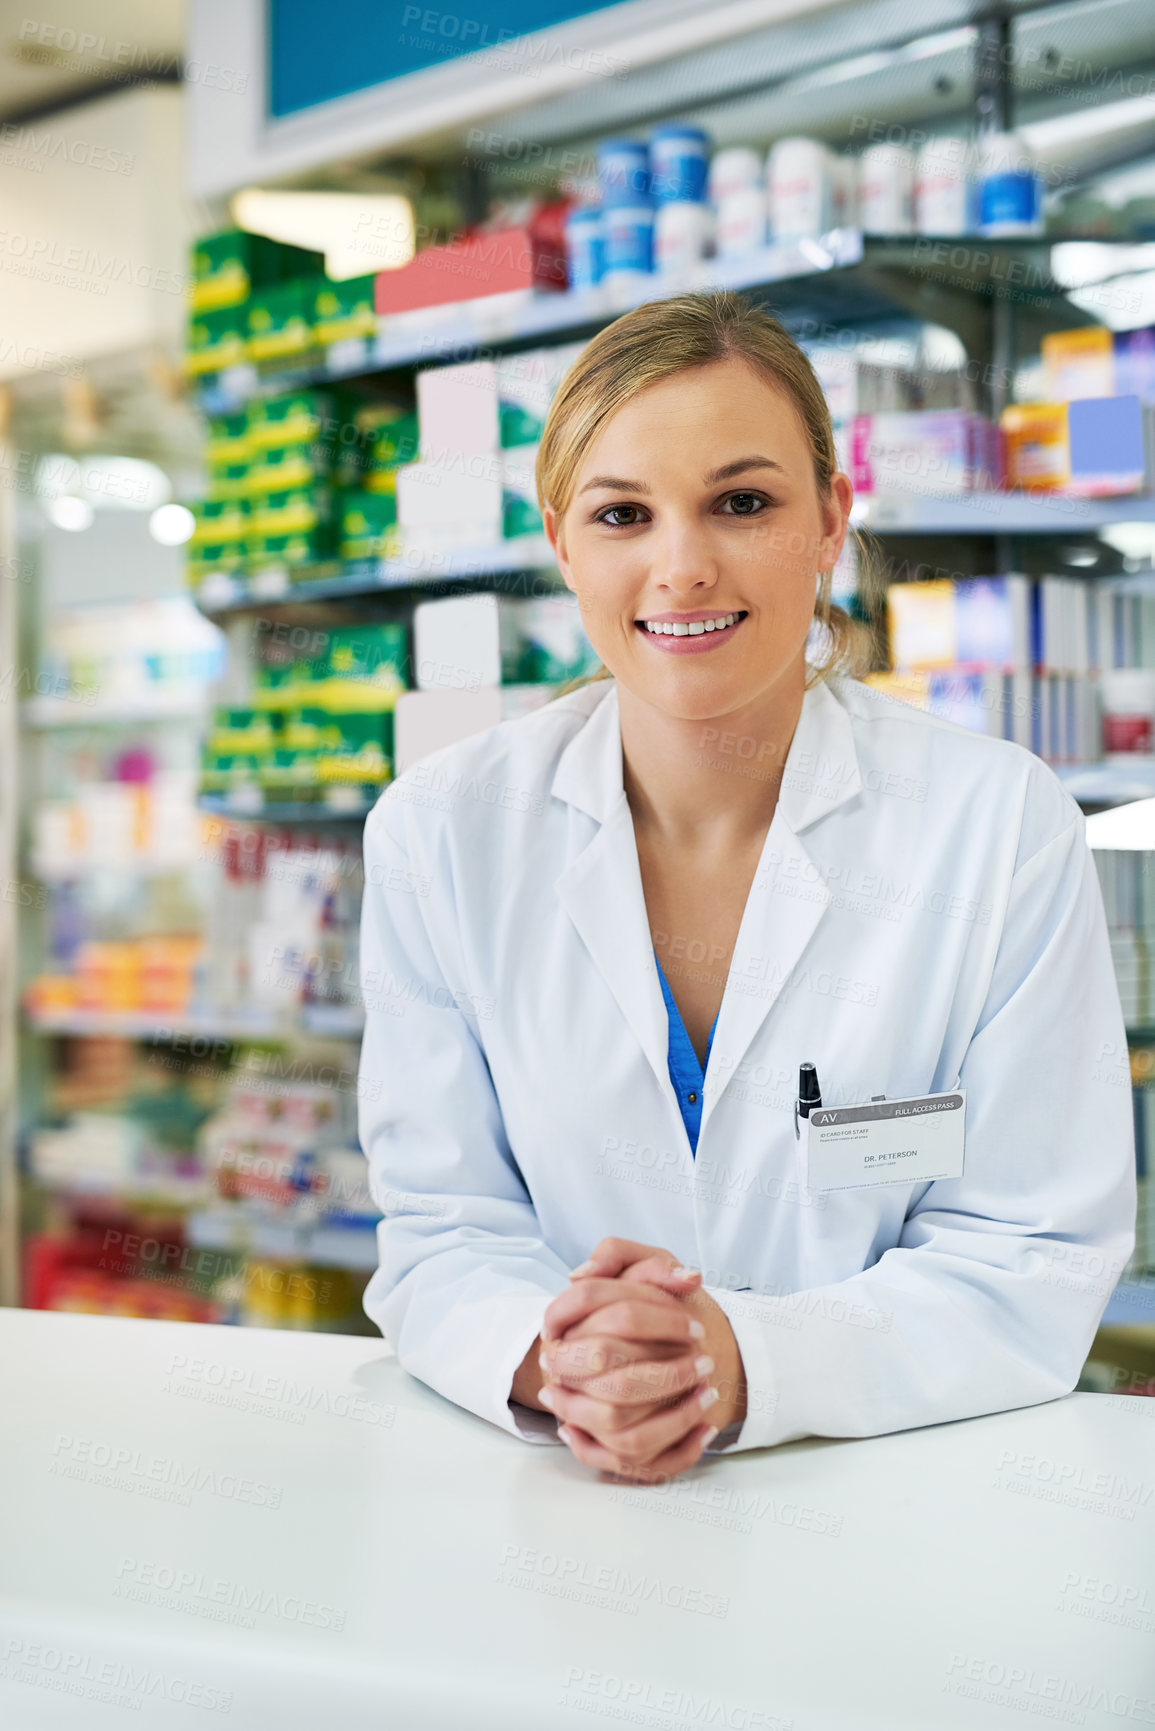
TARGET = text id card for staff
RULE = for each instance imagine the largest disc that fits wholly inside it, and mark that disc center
(886, 1142)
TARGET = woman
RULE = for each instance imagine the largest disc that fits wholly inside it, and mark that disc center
(600, 940)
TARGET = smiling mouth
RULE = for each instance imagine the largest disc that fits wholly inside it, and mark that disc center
(716, 624)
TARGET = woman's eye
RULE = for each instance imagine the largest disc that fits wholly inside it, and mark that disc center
(746, 504)
(613, 512)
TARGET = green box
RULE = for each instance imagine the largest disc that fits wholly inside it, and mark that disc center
(216, 340)
(227, 267)
(228, 480)
(301, 547)
(218, 520)
(228, 439)
(223, 770)
(369, 526)
(369, 651)
(282, 467)
(248, 730)
(214, 556)
(292, 510)
(289, 774)
(280, 322)
(344, 309)
(365, 753)
(304, 417)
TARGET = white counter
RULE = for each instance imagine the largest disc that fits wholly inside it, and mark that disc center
(283, 1532)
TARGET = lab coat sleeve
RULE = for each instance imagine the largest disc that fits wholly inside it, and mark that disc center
(991, 1298)
(465, 1275)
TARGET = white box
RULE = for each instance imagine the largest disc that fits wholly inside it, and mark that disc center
(457, 409)
(456, 502)
(425, 721)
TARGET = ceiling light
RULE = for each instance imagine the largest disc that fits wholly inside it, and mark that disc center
(172, 525)
(358, 232)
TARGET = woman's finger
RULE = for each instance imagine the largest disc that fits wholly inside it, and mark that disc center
(591, 1453)
(653, 1271)
(669, 1320)
(628, 1437)
(623, 1372)
(613, 1255)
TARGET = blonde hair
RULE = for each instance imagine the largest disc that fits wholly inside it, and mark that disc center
(657, 341)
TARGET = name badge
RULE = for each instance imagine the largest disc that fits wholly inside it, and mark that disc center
(886, 1142)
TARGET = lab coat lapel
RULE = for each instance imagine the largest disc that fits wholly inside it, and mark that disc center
(601, 889)
(788, 896)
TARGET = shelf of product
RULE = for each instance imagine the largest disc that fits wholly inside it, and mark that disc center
(123, 663)
(172, 1185)
(316, 724)
(258, 941)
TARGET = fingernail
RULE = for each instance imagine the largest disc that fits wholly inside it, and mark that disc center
(696, 1330)
(545, 1396)
(709, 1436)
(704, 1365)
(543, 1361)
(582, 1268)
(707, 1397)
(686, 1273)
(565, 1433)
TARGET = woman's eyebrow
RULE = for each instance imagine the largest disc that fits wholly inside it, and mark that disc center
(739, 466)
(616, 482)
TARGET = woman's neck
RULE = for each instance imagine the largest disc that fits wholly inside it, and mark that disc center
(707, 783)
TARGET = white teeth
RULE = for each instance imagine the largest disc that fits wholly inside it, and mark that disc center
(694, 629)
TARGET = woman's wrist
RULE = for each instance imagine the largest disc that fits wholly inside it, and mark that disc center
(529, 1378)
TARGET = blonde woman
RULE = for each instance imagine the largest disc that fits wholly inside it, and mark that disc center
(600, 941)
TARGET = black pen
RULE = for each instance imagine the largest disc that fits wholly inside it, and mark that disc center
(809, 1095)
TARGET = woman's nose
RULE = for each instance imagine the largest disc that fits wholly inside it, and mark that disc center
(683, 556)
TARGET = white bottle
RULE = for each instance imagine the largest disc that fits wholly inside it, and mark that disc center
(798, 181)
(741, 222)
(683, 234)
(886, 190)
(1010, 188)
(943, 187)
(733, 171)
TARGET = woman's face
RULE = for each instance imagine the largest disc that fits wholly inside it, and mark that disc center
(697, 504)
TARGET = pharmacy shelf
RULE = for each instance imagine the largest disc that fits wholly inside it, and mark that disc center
(46, 712)
(351, 1247)
(840, 276)
(288, 811)
(230, 591)
(498, 321)
(312, 1021)
(996, 513)
(149, 1025)
(127, 1190)
(56, 871)
(1107, 783)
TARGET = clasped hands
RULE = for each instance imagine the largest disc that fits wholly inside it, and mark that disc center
(639, 1365)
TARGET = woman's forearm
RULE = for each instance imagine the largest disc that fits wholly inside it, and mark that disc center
(528, 1379)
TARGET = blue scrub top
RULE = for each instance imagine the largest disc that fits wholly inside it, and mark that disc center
(686, 1073)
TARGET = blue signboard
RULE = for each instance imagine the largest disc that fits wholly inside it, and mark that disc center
(319, 50)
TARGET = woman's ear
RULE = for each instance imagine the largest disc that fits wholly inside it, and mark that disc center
(554, 524)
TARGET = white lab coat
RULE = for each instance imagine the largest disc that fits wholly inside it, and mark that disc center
(925, 914)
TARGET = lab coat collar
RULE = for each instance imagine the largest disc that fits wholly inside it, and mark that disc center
(602, 891)
(821, 770)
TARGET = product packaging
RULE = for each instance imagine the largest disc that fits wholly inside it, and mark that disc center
(886, 190)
